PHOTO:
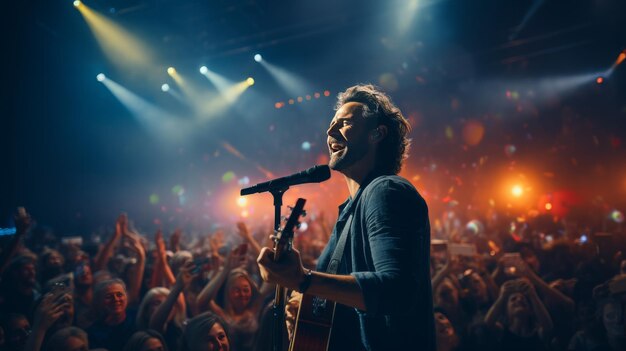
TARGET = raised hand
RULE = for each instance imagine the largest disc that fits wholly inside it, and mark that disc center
(160, 243)
(509, 287)
(121, 225)
(135, 245)
(50, 309)
(175, 240)
(186, 275)
(236, 258)
(243, 230)
(22, 221)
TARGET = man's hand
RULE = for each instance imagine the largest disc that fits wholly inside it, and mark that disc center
(289, 272)
(291, 311)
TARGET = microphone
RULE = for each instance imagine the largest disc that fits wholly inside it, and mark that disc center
(315, 174)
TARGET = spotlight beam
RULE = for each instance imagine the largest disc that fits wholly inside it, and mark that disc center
(120, 46)
(158, 121)
(290, 82)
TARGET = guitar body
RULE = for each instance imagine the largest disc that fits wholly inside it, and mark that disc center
(313, 324)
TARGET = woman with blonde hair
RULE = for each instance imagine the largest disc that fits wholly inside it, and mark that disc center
(149, 304)
(242, 301)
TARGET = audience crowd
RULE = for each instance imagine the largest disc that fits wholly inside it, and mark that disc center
(498, 284)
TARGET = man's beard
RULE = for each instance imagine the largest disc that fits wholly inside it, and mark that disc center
(347, 157)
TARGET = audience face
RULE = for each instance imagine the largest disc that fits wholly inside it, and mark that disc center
(446, 335)
(54, 260)
(613, 319)
(155, 302)
(26, 274)
(477, 288)
(75, 344)
(152, 344)
(114, 299)
(17, 333)
(83, 276)
(217, 340)
(443, 326)
(517, 306)
(446, 294)
(240, 293)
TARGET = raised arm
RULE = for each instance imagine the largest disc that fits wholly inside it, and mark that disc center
(543, 317)
(158, 321)
(22, 223)
(243, 231)
(164, 267)
(545, 289)
(498, 309)
(103, 257)
(206, 298)
(49, 310)
(135, 277)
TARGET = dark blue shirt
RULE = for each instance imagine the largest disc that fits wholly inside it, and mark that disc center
(388, 254)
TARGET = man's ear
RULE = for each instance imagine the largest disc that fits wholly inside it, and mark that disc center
(378, 134)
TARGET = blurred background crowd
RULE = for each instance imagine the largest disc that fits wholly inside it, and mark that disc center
(499, 283)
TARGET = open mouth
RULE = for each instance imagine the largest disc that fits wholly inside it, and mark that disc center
(336, 147)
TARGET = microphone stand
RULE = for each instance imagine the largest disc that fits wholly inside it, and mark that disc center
(278, 307)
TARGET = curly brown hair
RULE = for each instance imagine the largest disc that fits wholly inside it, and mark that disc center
(394, 147)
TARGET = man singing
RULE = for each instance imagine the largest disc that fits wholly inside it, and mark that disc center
(382, 285)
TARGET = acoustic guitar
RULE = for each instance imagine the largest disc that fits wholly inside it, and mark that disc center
(282, 244)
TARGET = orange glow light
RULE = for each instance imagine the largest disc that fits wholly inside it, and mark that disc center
(621, 58)
(548, 206)
(242, 201)
(517, 191)
(599, 80)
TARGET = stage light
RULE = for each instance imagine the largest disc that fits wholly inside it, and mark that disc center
(326, 93)
(316, 95)
(599, 80)
(77, 3)
(171, 71)
(250, 81)
(204, 70)
(242, 201)
(165, 87)
(101, 77)
(517, 191)
(258, 58)
(548, 206)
